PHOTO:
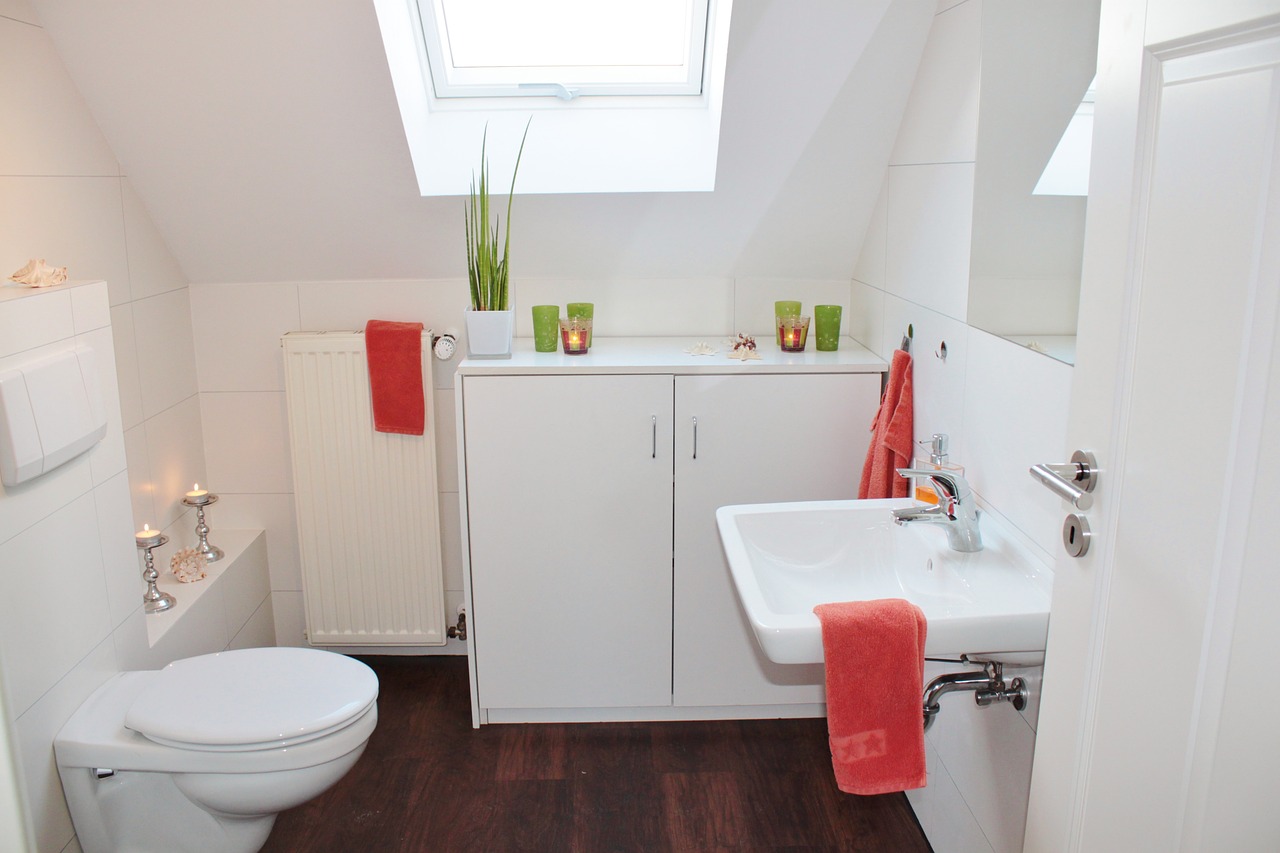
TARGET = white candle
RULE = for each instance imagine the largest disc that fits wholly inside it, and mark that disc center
(198, 495)
(146, 537)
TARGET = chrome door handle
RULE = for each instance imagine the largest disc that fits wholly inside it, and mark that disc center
(695, 438)
(655, 437)
(1072, 481)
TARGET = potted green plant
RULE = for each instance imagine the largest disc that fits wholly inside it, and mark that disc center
(490, 319)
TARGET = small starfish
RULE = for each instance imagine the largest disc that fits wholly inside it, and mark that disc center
(744, 354)
(701, 348)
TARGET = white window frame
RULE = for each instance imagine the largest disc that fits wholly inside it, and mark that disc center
(564, 82)
(610, 143)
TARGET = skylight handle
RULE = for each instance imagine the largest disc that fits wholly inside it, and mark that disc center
(560, 90)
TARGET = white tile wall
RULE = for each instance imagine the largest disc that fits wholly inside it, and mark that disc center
(870, 266)
(247, 442)
(754, 298)
(19, 10)
(630, 307)
(59, 552)
(121, 566)
(237, 334)
(166, 357)
(152, 269)
(941, 120)
(274, 513)
(175, 459)
(930, 220)
(127, 365)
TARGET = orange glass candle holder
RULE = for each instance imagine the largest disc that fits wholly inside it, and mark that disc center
(793, 333)
(575, 335)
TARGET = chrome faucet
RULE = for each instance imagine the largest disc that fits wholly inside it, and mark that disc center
(955, 509)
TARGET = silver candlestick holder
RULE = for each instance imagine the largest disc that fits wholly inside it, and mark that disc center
(212, 553)
(153, 600)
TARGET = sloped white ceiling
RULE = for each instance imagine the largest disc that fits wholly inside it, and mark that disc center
(264, 139)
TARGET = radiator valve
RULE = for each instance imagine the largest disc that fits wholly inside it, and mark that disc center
(459, 631)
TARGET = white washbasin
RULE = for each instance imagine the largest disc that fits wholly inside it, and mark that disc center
(785, 558)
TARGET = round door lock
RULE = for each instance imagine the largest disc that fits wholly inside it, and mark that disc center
(1076, 535)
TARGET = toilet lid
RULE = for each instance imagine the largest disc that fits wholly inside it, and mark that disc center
(252, 698)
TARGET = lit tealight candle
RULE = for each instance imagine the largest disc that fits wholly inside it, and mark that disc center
(146, 537)
(198, 495)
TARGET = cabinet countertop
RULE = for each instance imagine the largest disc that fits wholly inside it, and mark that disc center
(668, 355)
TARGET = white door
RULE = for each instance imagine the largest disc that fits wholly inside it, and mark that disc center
(1156, 730)
(571, 549)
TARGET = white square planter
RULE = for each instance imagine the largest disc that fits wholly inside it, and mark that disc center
(489, 333)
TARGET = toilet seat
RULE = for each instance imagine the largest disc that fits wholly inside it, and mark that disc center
(252, 699)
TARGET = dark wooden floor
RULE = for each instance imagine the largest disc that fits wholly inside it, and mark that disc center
(430, 782)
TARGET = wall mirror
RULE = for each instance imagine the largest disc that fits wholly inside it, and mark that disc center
(1038, 63)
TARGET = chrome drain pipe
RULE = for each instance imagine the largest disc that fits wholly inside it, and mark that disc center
(988, 686)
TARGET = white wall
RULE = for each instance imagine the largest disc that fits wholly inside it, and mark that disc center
(70, 587)
(1003, 405)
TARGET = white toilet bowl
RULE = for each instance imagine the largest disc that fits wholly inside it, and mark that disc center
(203, 754)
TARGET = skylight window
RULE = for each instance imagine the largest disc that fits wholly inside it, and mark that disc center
(566, 48)
(625, 95)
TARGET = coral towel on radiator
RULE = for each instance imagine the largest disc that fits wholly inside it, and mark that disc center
(395, 376)
(874, 653)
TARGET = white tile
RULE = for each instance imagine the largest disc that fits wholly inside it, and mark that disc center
(58, 135)
(152, 268)
(19, 10)
(869, 268)
(90, 307)
(38, 643)
(437, 303)
(166, 355)
(201, 630)
(930, 224)
(446, 425)
(141, 487)
(277, 516)
(70, 222)
(940, 124)
(237, 334)
(987, 752)
(35, 732)
(108, 458)
(24, 505)
(866, 317)
(73, 846)
(245, 585)
(34, 321)
(175, 458)
(631, 307)
(754, 298)
(122, 568)
(451, 540)
(126, 348)
(942, 813)
(939, 385)
(247, 442)
(259, 632)
(1016, 407)
(290, 618)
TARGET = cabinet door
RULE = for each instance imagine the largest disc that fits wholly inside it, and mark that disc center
(759, 439)
(569, 512)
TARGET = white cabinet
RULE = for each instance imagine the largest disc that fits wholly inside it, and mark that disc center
(598, 587)
(760, 439)
(569, 512)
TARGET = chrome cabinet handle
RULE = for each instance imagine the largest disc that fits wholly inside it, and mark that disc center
(1071, 481)
(655, 437)
(695, 438)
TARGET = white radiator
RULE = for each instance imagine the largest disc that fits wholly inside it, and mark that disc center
(368, 523)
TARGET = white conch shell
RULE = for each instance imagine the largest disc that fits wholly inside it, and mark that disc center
(39, 274)
(189, 565)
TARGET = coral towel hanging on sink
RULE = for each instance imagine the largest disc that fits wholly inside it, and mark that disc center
(394, 352)
(874, 654)
(891, 435)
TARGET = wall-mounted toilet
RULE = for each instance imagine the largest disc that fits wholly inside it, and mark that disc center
(203, 754)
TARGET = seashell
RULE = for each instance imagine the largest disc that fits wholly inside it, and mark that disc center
(39, 274)
(188, 565)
